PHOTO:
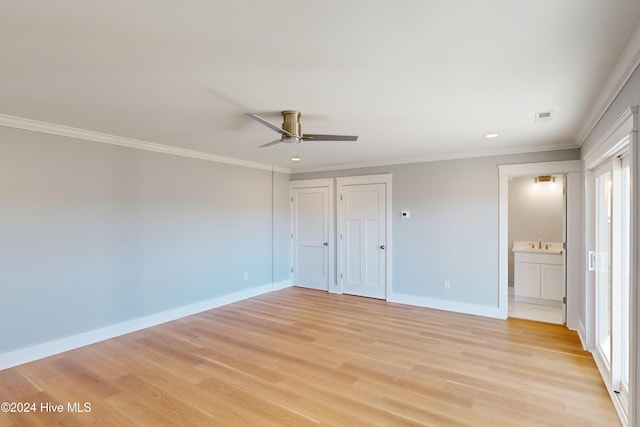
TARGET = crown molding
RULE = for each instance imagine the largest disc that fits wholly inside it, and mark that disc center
(438, 158)
(627, 63)
(614, 140)
(87, 135)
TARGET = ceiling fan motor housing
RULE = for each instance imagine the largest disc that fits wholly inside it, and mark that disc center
(291, 123)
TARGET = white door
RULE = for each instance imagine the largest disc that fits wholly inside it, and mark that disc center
(363, 239)
(612, 265)
(603, 211)
(310, 237)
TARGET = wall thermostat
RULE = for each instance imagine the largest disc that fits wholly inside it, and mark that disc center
(405, 214)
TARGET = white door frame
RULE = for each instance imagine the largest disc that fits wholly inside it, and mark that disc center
(572, 169)
(358, 180)
(317, 183)
(623, 133)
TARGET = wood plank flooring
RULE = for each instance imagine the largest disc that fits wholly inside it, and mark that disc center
(299, 357)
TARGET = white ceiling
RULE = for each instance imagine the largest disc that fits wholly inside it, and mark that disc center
(416, 80)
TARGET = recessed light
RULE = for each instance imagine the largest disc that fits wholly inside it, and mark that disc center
(295, 159)
(491, 135)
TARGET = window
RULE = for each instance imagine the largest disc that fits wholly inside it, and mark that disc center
(612, 218)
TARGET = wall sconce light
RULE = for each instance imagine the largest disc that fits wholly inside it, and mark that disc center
(544, 178)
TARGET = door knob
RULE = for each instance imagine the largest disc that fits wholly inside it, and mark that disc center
(381, 246)
(325, 244)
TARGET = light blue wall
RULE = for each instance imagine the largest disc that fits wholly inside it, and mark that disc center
(93, 234)
(282, 227)
(452, 233)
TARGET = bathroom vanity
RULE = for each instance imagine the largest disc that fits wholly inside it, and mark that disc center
(538, 272)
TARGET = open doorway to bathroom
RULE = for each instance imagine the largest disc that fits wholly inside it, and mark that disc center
(572, 252)
(536, 234)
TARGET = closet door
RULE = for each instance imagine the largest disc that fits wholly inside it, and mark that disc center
(310, 235)
(363, 238)
(364, 203)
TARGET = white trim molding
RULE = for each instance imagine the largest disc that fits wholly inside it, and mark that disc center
(277, 286)
(87, 135)
(524, 169)
(625, 67)
(447, 305)
(50, 348)
(469, 154)
(621, 137)
(614, 140)
(312, 183)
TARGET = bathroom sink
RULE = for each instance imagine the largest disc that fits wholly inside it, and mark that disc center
(538, 250)
(553, 248)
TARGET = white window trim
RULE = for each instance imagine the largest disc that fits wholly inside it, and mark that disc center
(623, 135)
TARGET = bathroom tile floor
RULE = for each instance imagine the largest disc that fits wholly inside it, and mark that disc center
(537, 312)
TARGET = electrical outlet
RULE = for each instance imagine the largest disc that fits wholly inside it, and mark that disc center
(446, 285)
(246, 276)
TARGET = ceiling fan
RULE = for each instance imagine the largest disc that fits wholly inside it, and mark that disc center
(291, 130)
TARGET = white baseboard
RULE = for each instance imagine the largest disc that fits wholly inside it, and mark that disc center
(582, 334)
(281, 285)
(447, 305)
(39, 351)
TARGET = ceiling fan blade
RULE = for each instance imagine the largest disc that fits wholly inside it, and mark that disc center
(267, 124)
(269, 144)
(315, 137)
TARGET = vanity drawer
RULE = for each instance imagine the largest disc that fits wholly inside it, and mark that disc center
(538, 258)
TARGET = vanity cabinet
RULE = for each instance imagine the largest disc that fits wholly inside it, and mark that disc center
(551, 281)
(538, 278)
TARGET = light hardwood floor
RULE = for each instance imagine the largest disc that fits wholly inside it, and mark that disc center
(299, 357)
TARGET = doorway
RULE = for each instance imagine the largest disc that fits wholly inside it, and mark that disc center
(571, 252)
(536, 236)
